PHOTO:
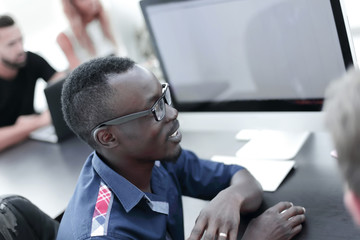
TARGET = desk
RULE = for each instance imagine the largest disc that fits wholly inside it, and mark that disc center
(315, 183)
(47, 173)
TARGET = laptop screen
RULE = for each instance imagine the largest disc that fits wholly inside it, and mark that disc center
(53, 97)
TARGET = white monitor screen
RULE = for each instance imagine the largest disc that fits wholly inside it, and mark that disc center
(243, 51)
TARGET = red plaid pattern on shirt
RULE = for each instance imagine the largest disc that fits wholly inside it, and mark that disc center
(102, 208)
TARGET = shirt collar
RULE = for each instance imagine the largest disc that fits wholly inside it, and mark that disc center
(118, 184)
(127, 193)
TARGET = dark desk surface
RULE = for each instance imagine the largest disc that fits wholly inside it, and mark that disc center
(315, 183)
(47, 173)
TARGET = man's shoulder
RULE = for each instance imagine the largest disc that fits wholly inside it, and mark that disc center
(34, 62)
(93, 211)
(77, 220)
(33, 57)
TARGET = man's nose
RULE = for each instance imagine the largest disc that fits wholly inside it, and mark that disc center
(171, 113)
(19, 47)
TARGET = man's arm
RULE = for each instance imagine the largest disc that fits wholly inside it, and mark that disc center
(57, 76)
(222, 214)
(68, 50)
(247, 190)
(24, 125)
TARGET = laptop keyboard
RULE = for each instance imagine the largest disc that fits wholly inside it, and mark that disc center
(46, 134)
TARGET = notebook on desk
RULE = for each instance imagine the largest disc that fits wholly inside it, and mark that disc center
(269, 173)
(58, 130)
(272, 144)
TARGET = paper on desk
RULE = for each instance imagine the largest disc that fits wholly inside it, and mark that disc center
(270, 173)
(272, 144)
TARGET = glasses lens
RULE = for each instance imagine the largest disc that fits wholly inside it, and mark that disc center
(168, 96)
(159, 109)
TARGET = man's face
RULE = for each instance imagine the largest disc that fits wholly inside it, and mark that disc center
(145, 138)
(11, 47)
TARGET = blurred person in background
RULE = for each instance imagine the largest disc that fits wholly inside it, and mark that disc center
(89, 34)
(342, 117)
(19, 72)
(99, 30)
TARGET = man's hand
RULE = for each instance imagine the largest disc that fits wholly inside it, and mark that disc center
(280, 222)
(32, 122)
(220, 219)
(221, 215)
(24, 125)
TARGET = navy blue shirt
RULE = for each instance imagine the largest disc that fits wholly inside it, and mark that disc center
(107, 206)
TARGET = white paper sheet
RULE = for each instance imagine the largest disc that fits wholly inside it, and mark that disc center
(270, 173)
(272, 144)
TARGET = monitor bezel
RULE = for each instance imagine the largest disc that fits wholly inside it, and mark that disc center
(314, 104)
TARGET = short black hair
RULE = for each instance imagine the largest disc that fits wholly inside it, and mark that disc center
(6, 21)
(86, 94)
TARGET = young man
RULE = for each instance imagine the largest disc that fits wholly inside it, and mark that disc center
(131, 185)
(19, 71)
(342, 115)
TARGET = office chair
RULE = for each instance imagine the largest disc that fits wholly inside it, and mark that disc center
(20, 220)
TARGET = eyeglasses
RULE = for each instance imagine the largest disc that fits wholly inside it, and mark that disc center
(158, 110)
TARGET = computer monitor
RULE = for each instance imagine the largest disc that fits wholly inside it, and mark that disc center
(249, 55)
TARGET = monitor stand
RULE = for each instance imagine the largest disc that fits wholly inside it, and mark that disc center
(273, 144)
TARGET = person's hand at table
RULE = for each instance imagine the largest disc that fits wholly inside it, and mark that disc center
(24, 125)
(220, 219)
(280, 222)
(220, 216)
(34, 121)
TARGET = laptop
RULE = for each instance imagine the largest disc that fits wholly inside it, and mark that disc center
(58, 130)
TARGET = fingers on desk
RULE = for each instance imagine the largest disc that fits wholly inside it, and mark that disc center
(210, 231)
(295, 215)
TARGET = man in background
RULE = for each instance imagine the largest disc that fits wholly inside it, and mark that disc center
(19, 71)
(342, 116)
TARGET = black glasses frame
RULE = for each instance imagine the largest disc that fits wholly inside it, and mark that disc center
(159, 105)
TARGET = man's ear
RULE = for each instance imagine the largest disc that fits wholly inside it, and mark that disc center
(352, 203)
(105, 137)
